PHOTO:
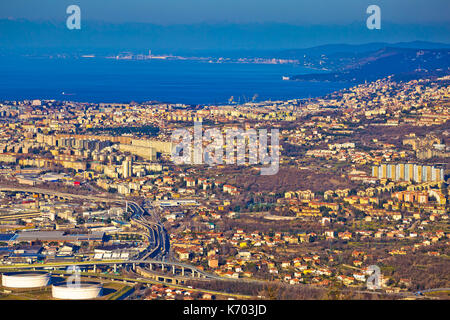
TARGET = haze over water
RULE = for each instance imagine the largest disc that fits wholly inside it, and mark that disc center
(190, 82)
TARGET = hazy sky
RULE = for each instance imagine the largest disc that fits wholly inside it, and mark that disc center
(232, 11)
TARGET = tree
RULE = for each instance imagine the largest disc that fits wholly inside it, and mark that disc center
(80, 220)
(325, 211)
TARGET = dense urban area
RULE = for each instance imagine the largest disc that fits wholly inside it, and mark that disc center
(362, 182)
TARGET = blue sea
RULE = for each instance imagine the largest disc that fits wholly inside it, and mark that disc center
(190, 82)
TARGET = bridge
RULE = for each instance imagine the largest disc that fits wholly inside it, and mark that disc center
(157, 237)
(132, 280)
(159, 244)
(179, 271)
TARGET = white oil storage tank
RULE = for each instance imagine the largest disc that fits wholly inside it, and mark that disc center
(25, 279)
(78, 291)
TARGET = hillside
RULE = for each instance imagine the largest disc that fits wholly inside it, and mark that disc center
(402, 63)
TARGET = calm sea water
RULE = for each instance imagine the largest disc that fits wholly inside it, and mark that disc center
(103, 80)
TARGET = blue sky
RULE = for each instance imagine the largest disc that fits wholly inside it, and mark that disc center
(300, 12)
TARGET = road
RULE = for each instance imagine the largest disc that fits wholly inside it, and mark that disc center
(159, 244)
(61, 194)
(158, 250)
(157, 234)
(50, 265)
(151, 281)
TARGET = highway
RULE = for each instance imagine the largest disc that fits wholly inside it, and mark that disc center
(159, 244)
(206, 276)
(50, 265)
(157, 252)
(157, 235)
(131, 280)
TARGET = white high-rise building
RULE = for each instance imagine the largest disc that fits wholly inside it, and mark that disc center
(127, 168)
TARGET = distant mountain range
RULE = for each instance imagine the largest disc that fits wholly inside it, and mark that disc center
(389, 51)
(346, 49)
(401, 62)
(53, 37)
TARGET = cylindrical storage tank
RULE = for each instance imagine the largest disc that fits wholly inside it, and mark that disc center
(79, 291)
(25, 279)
